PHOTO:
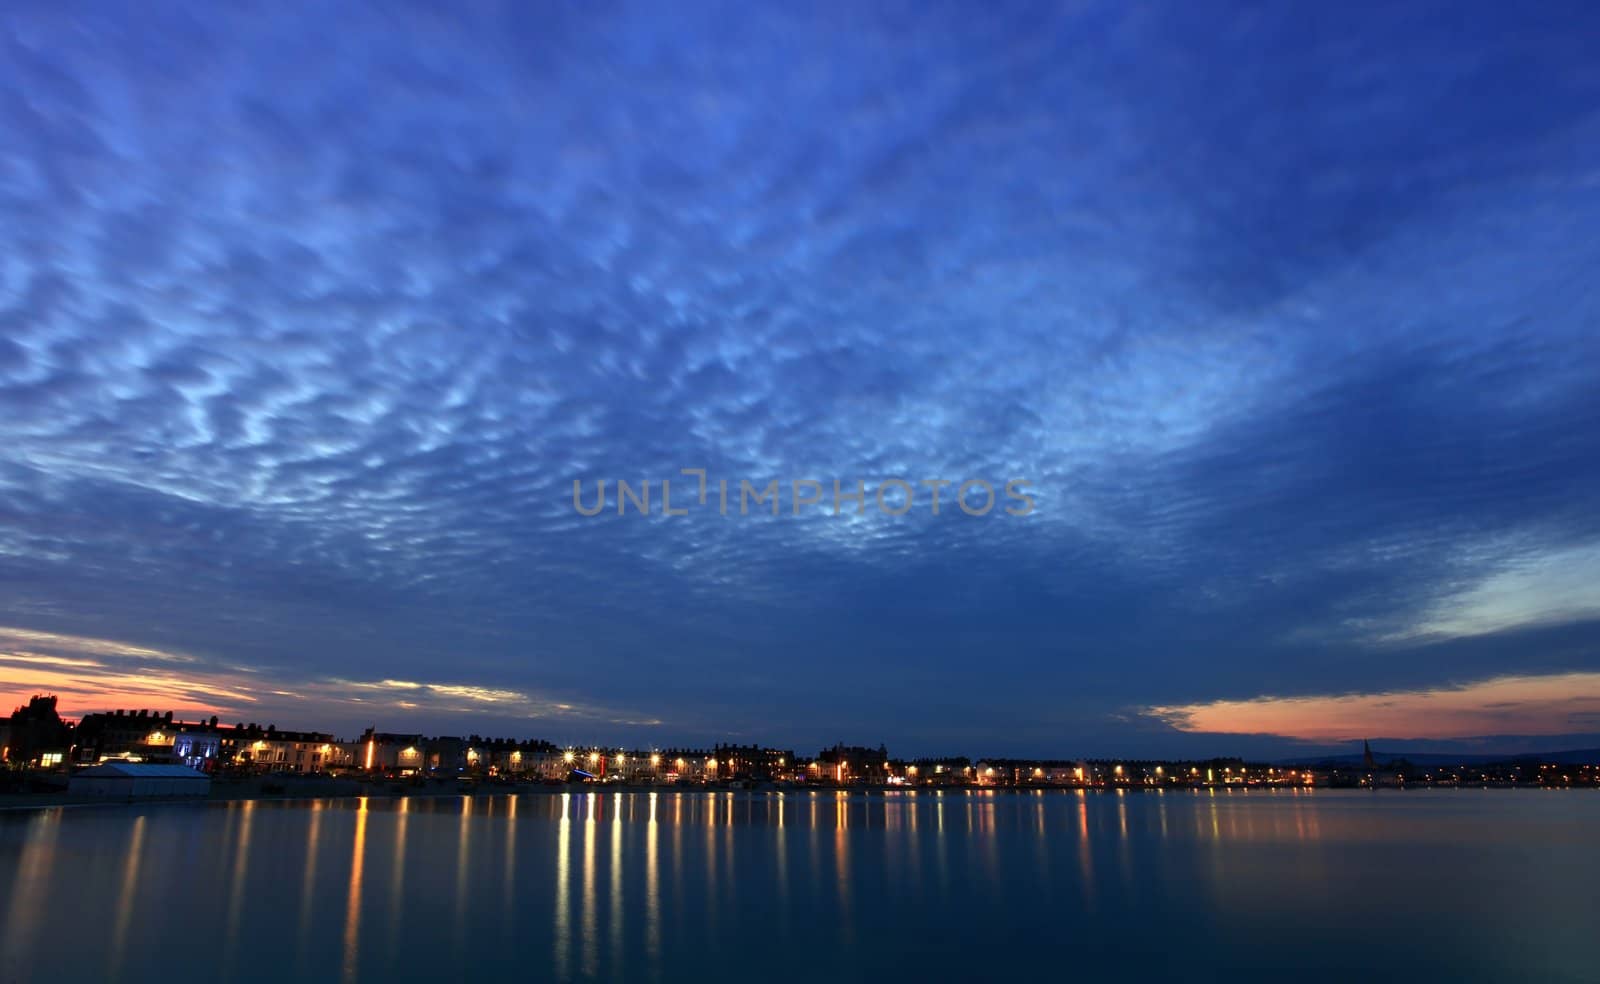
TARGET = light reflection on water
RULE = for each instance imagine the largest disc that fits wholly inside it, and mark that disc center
(671, 886)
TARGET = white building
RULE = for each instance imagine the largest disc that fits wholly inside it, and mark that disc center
(133, 780)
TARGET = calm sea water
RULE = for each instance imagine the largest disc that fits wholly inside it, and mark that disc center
(1442, 885)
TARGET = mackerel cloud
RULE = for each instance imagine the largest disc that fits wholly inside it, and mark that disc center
(310, 319)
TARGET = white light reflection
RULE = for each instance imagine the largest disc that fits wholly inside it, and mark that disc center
(352, 912)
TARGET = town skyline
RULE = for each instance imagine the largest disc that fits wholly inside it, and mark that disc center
(1469, 749)
(106, 751)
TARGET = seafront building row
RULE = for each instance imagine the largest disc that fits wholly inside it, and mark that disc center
(39, 738)
(36, 737)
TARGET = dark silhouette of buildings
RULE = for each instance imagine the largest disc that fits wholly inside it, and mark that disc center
(35, 736)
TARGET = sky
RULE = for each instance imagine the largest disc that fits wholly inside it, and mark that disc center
(1285, 316)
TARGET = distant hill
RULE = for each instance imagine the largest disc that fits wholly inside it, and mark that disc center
(1577, 756)
(1581, 756)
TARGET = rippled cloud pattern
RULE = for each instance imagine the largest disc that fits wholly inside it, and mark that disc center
(309, 319)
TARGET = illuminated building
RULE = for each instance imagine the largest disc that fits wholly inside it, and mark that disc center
(853, 764)
(752, 762)
(133, 735)
(270, 750)
(387, 752)
(687, 764)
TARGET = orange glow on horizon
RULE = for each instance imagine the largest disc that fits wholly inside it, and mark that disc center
(79, 696)
(90, 675)
(1510, 705)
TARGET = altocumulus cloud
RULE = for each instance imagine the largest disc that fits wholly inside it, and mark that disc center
(311, 318)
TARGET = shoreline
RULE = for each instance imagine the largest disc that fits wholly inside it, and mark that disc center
(21, 802)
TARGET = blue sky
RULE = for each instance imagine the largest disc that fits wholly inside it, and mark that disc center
(310, 318)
